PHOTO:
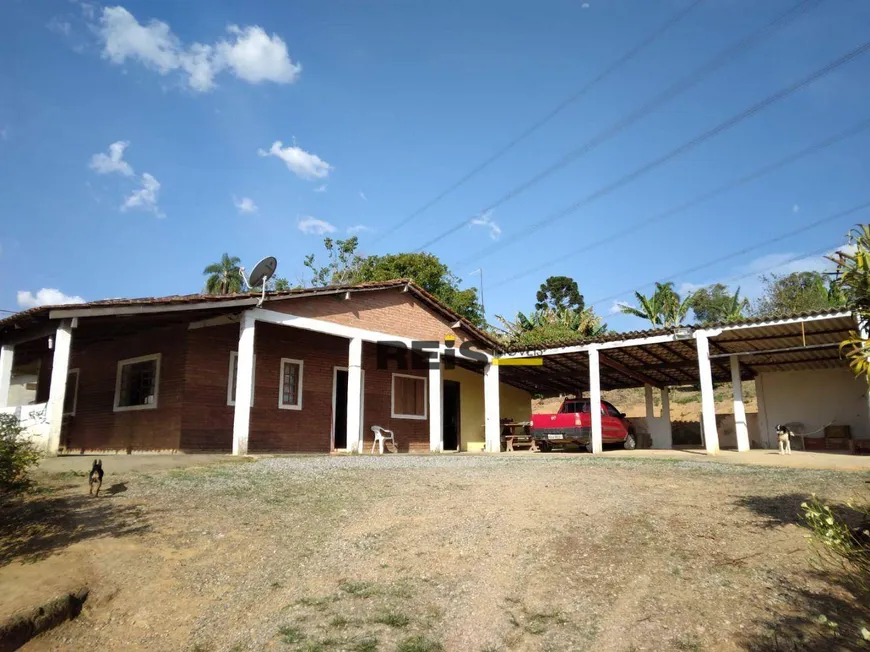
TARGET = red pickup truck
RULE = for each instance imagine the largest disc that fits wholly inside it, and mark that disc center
(573, 423)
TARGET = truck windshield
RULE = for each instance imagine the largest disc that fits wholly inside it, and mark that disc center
(574, 407)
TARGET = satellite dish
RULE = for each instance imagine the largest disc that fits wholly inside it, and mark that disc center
(263, 271)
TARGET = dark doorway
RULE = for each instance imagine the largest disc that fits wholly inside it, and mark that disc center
(339, 411)
(450, 398)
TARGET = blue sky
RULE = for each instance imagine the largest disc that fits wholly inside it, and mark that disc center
(140, 141)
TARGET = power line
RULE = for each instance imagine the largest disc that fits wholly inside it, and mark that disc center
(700, 199)
(745, 250)
(564, 104)
(691, 144)
(674, 90)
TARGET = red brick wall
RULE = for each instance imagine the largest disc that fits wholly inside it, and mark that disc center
(207, 421)
(95, 425)
(386, 311)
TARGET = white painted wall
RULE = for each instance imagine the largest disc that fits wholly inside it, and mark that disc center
(813, 398)
(34, 420)
(18, 392)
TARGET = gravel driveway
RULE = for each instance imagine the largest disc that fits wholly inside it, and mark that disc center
(417, 553)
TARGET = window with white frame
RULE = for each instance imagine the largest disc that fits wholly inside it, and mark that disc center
(71, 395)
(234, 376)
(137, 383)
(290, 385)
(409, 397)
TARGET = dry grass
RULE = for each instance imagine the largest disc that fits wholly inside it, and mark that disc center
(428, 553)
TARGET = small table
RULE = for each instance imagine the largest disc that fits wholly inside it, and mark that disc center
(517, 433)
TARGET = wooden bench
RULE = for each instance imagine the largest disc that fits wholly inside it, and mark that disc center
(517, 434)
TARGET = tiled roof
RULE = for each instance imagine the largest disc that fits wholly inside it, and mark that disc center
(33, 314)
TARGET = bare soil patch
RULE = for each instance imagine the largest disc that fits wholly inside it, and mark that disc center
(417, 553)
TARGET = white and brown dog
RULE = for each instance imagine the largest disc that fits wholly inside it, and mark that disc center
(783, 436)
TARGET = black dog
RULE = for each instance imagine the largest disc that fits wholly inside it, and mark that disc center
(96, 477)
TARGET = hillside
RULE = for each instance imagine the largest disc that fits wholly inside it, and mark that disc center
(685, 401)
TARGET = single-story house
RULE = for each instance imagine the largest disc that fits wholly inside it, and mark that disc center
(312, 370)
(308, 370)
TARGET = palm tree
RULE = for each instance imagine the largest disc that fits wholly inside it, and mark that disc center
(224, 276)
(663, 309)
(733, 310)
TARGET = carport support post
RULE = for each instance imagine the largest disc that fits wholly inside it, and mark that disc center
(7, 351)
(354, 395)
(244, 384)
(650, 407)
(595, 400)
(708, 401)
(57, 386)
(740, 427)
(436, 418)
(491, 408)
(666, 418)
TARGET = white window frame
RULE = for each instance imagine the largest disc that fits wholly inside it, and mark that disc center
(231, 399)
(281, 404)
(123, 363)
(75, 391)
(417, 417)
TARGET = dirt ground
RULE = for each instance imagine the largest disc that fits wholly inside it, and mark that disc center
(440, 552)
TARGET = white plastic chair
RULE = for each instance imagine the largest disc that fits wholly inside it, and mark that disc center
(382, 435)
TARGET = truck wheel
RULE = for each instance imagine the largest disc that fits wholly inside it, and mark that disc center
(589, 447)
(544, 446)
(630, 443)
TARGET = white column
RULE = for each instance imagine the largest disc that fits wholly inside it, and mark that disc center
(57, 386)
(354, 395)
(650, 408)
(595, 400)
(740, 426)
(7, 352)
(244, 384)
(666, 429)
(436, 408)
(491, 409)
(708, 401)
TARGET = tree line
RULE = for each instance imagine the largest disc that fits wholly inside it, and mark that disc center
(560, 312)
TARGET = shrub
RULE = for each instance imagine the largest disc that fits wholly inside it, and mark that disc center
(17, 455)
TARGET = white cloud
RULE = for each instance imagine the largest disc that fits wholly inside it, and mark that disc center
(362, 196)
(299, 162)
(45, 297)
(358, 228)
(485, 219)
(617, 307)
(257, 57)
(59, 26)
(114, 161)
(250, 54)
(145, 198)
(313, 226)
(245, 205)
(321, 188)
(795, 208)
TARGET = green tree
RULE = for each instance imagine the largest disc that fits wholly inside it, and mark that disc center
(794, 293)
(559, 293)
(852, 286)
(341, 266)
(345, 265)
(716, 303)
(280, 284)
(663, 309)
(224, 277)
(427, 271)
(550, 325)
